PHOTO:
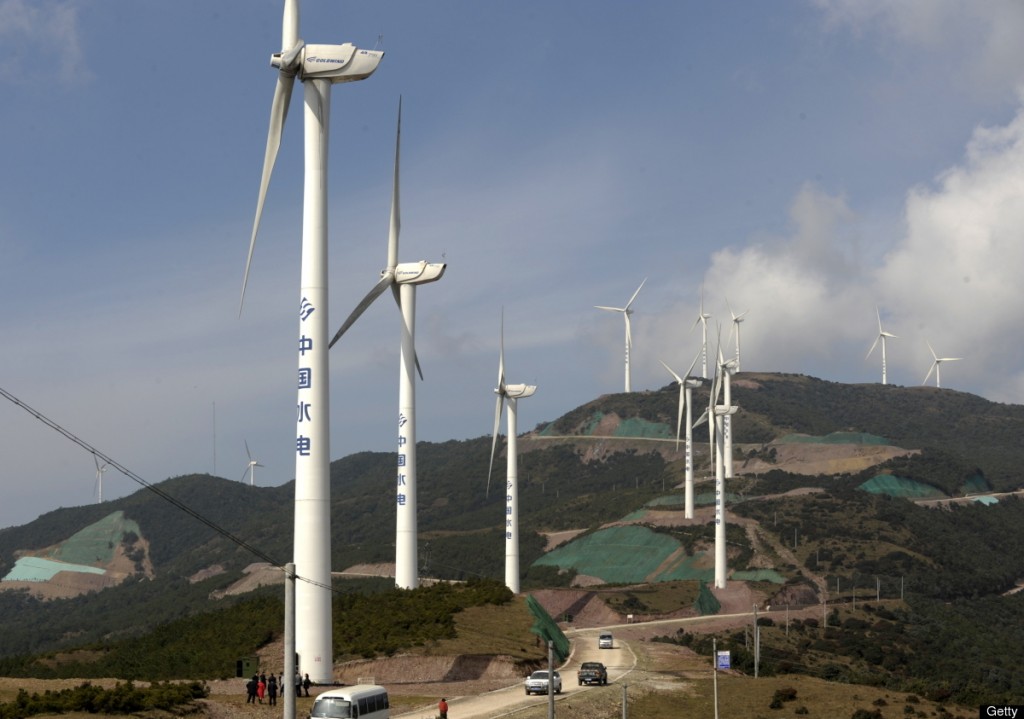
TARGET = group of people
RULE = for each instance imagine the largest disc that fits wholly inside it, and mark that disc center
(261, 686)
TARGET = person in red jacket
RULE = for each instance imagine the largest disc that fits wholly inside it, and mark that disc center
(442, 708)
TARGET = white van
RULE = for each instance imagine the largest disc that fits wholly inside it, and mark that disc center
(361, 701)
(604, 641)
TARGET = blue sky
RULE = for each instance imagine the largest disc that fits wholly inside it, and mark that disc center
(806, 160)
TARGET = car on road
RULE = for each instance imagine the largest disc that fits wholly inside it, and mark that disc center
(537, 683)
(592, 673)
(604, 641)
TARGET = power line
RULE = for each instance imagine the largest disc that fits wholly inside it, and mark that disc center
(153, 488)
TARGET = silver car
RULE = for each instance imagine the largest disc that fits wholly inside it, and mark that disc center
(537, 683)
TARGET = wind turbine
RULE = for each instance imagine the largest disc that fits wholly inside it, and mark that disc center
(737, 319)
(702, 320)
(250, 468)
(511, 393)
(686, 386)
(714, 414)
(626, 312)
(318, 67)
(880, 339)
(936, 364)
(99, 478)
(402, 279)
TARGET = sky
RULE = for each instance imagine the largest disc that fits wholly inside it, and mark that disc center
(805, 162)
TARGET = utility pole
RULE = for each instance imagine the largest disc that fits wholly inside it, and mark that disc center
(288, 675)
(714, 669)
(625, 714)
(551, 679)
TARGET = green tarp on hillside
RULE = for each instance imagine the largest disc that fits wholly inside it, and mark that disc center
(900, 487)
(626, 555)
(706, 602)
(96, 543)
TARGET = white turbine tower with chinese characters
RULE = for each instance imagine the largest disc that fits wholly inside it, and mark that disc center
(100, 469)
(250, 468)
(626, 312)
(686, 387)
(511, 393)
(714, 415)
(880, 340)
(936, 366)
(702, 320)
(402, 279)
(318, 67)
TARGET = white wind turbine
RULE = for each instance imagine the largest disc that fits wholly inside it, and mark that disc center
(402, 278)
(936, 366)
(250, 468)
(880, 339)
(100, 469)
(318, 67)
(702, 320)
(737, 320)
(715, 413)
(626, 312)
(511, 393)
(686, 386)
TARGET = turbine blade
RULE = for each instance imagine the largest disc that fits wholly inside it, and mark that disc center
(278, 115)
(635, 293)
(494, 438)
(930, 370)
(501, 354)
(373, 294)
(247, 452)
(693, 364)
(873, 345)
(396, 220)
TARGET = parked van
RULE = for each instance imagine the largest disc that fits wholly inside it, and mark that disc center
(361, 701)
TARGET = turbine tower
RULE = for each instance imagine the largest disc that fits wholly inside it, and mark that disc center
(880, 339)
(318, 67)
(99, 478)
(626, 312)
(737, 320)
(402, 279)
(702, 320)
(511, 393)
(714, 414)
(686, 385)
(250, 468)
(936, 366)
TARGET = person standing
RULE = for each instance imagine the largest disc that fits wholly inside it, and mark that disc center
(261, 689)
(306, 684)
(272, 689)
(298, 683)
(442, 708)
(250, 690)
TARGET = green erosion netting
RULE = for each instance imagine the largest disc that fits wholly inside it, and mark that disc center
(626, 555)
(706, 602)
(975, 484)
(900, 487)
(38, 569)
(95, 543)
(708, 498)
(546, 628)
(636, 427)
(672, 501)
(987, 500)
(836, 438)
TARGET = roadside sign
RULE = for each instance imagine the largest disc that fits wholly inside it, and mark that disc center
(722, 660)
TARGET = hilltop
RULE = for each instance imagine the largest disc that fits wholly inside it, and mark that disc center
(828, 502)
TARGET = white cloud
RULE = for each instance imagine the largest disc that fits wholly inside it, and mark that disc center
(40, 41)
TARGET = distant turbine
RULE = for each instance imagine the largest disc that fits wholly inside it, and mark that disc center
(686, 385)
(318, 67)
(99, 478)
(402, 279)
(936, 366)
(250, 468)
(702, 320)
(626, 312)
(512, 393)
(882, 335)
(737, 319)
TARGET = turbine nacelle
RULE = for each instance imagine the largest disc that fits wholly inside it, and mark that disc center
(517, 391)
(417, 273)
(337, 63)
